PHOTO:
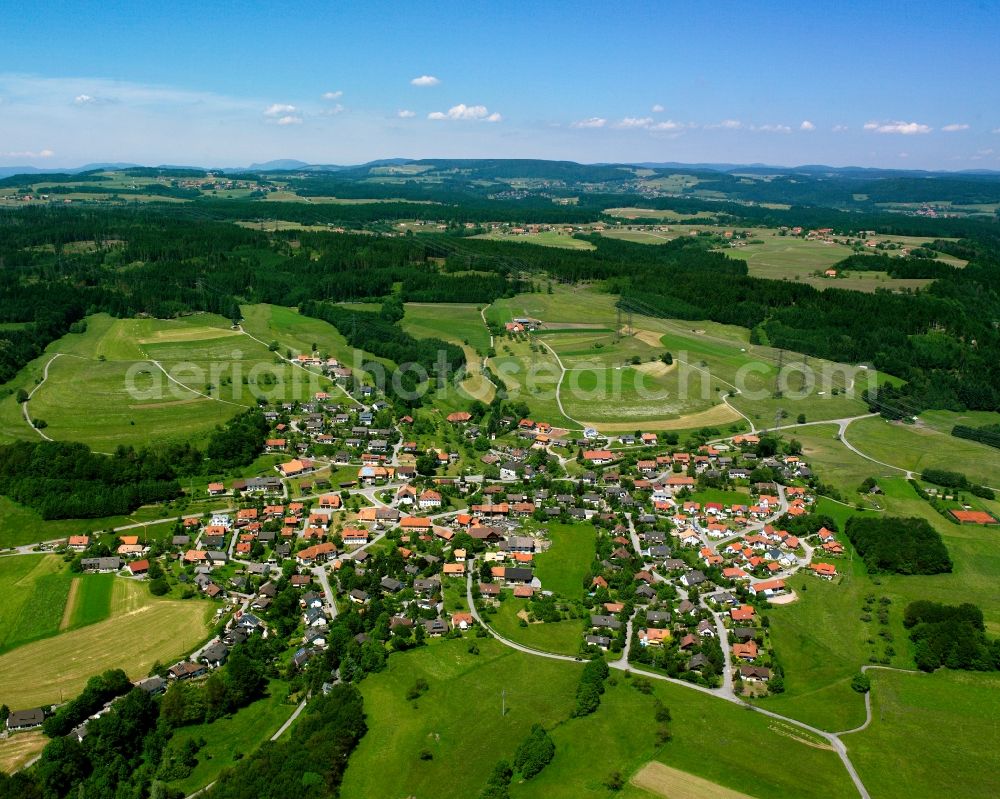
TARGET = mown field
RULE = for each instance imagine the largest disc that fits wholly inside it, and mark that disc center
(18, 750)
(99, 392)
(140, 631)
(457, 324)
(710, 360)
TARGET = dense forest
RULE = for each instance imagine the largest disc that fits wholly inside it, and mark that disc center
(953, 636)
(310, 764)
(903, 546)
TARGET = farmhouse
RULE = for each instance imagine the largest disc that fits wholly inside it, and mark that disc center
(25, 719)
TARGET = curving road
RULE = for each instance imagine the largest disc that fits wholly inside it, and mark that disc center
(836, 744)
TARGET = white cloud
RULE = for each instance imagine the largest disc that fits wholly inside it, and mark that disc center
(29, 154)
(839, 128)
(333, 95)
(657, 109)
(478, 113)
(279, 109)
(333, 110)
(405, 114)
(634, 122)
(774, 128)
(84, 99)
(670, 125)
(592, 122)
(903, 128)
(955, 127)
(425, 80)
(807, 125)
(728, 124)
(290, 119)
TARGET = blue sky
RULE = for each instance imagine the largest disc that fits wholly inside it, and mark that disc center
(217, 83)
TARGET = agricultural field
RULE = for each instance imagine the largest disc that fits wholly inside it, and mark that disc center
(532, 374)
(915, 447)
(946, 721)
(654, 213)
(20, 525)
(35, 588)
(837, 466)
(141, 630)
(710, 360)
(89, 601)
(563, 566)
(102, 391)
(821, 639)
(455, 322)
(230, 738)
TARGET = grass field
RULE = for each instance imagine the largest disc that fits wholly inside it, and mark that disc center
(231, 738)
(455, 322)
(458, 720)
(35, 588)
(821, 640)
(942, 726)
(919, 446)
(458, 324)
(531, 375)
(141, 631)
(839, 467)
(97, 371)
(564, 637)
(564, 565)
(461, 712)
(710, 360)
(299, 333)
(711, 740)
(92, 600)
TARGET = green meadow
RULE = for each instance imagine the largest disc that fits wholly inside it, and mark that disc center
(463, 711)
(563, 637)
(35, 588)
(931, 735)
(563, 566)
(919, 446)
